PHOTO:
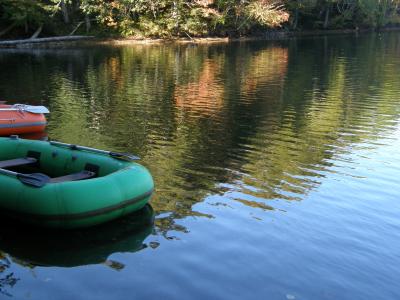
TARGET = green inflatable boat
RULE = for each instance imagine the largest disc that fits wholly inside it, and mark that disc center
(68, 186)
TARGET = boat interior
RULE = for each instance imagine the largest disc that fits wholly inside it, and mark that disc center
(55, 163)
(29, 165)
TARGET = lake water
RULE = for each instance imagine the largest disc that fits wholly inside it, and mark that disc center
(277, 170)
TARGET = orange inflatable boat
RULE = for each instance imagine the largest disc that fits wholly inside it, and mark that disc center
(21, 119)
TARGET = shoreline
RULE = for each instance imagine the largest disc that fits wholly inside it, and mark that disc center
(268, 36)
(68, 41)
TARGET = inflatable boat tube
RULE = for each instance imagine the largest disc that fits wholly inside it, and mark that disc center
(67, 186)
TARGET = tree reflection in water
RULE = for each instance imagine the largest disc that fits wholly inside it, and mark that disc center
(253, 122)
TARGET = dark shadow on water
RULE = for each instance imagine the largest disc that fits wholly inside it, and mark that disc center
(54, 248)
(41, 136)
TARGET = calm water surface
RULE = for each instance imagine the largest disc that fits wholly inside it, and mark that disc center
(277, 170)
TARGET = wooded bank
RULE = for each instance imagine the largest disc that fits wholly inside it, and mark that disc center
(189, 18)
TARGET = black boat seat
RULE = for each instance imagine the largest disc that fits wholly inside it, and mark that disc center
(17, 162)
(73, 177)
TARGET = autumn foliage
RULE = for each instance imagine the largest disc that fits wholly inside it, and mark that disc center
(189, 18)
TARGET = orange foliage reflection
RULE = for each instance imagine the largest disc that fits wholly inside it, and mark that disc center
(265, 67)
(206, 94)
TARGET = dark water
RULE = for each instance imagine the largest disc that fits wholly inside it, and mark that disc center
(277, 170)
